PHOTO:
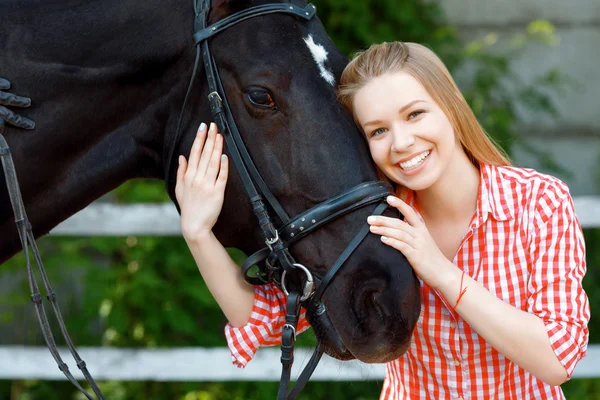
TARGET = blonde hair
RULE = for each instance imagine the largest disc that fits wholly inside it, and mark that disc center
(427, 68)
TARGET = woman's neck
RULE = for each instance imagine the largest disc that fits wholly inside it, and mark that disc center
(453, 197)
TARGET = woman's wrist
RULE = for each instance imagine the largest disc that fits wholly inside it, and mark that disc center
(448, 280)
(198, 237)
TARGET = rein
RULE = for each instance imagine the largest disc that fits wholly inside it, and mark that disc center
(28, 239)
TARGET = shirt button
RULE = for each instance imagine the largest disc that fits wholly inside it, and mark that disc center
(460, 398)
(452, 324)
(457, 362)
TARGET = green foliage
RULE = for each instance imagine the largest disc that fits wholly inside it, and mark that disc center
(357, 24)
(495, 91)
(147, 292)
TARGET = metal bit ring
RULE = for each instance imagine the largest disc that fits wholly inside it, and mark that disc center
(309, 286)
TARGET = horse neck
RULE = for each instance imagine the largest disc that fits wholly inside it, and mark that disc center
(102, 101)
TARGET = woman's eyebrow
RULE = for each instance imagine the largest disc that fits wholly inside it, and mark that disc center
(376, 121)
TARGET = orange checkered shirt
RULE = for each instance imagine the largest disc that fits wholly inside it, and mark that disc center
(525, 245)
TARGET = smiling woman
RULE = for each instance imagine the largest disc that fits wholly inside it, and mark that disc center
(498, 249)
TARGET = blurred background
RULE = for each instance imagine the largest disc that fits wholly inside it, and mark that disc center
(527, 67)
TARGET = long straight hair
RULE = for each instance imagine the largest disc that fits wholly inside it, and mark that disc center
(427, 68)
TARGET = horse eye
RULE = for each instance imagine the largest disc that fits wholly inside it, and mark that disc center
(261, 98)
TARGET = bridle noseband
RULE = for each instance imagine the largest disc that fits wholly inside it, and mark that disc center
(274, 262)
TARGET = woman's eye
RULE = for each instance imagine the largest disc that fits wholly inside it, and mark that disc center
(377, 132)
(415, 114)
(261, 98)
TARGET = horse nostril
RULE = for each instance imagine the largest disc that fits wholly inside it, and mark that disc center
(370, 302)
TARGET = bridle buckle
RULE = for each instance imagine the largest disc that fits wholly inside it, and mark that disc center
(290, 326)
(271, 242)
(215, 94)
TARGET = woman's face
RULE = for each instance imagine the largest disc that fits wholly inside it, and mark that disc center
(411, 139)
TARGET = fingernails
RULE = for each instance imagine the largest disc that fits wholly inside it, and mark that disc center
(223, 157)
(180, 159)
(202, 127)
(391, 199)
(384, 238)
(371, 219)
(212, 126)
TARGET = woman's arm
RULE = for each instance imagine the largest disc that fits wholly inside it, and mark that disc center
(516, 334)
(551, 336)
(200, 192)
(255, 314)
(223, 277)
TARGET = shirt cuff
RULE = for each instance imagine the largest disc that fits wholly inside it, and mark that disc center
(566, 346)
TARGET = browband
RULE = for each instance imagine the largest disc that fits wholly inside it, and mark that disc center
(307, 13)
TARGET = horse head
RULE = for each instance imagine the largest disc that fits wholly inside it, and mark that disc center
(279, 75)
(108, 82)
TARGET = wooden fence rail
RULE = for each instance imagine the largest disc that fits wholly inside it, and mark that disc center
(199, 364)
(105, 219)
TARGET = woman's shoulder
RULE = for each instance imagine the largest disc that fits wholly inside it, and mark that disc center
(528, 188)
(528, 179)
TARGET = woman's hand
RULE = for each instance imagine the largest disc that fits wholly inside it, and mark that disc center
(412, 238)
(201, 183)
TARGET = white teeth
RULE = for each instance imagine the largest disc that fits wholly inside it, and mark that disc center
(414, 162)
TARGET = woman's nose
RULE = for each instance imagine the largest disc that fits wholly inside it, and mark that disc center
(402, 140)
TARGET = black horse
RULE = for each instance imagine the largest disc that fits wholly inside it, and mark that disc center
(108, 79)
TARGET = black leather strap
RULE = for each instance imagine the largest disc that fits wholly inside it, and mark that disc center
(288, 339)
(343, 257)
(306, 373)
(355, 198)
(28, 240)
(261, 276)
(233, 138)
(307, 13)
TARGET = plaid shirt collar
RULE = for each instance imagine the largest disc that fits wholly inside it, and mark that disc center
(493, 197)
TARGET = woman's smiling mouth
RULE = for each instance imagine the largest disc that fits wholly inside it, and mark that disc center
(415, 161)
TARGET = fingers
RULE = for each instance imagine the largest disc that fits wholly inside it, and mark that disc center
(399, 245)
(194, 158)
(16, 120)
(223, 172)
(392, 233)
(208, 150)
(214, 164)
(9, 99)
(397, 223)
(411, 216)
(4, 84)
(180, 176)
(181, 169)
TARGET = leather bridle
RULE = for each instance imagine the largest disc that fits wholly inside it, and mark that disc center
(274, 262)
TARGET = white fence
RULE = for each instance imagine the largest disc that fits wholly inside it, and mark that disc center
(104, 219)
(199, 364)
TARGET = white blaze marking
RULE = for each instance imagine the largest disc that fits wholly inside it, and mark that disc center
(320, 55)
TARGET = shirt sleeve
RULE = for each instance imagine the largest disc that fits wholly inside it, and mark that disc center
(263, 327)
(558, 267)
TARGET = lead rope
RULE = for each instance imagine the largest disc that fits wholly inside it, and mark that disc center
(27, 239)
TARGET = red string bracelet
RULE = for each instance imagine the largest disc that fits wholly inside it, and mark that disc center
(462, 291)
